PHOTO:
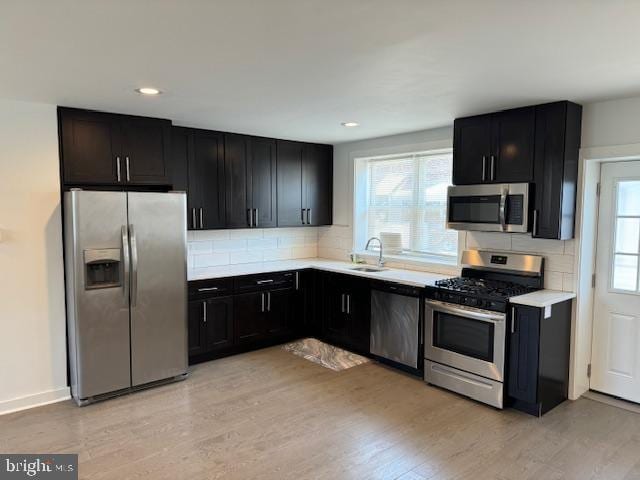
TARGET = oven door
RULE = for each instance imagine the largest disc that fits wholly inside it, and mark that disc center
(465, 338)
(490, 208)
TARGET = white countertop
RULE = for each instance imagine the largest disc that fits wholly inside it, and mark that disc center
(405, 277)
(542, 298)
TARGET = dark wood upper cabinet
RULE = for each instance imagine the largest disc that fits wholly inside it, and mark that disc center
(471, 149)
(511, 159)
(494, 148)
(236, 158)
(262, 181)
(317, 183)
(90, 147)
(206, 178)
(289, 185)
(305, 184)
(558, 127)
(146, 148)
(108, 149)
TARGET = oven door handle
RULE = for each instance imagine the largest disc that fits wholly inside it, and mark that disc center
(503, 208)
(476, 314)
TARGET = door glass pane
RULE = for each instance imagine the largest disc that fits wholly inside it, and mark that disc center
(469, 337)
(629, 198)
(627, 235)
(625, 272)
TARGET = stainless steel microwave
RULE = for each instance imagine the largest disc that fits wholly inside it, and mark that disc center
(501, 207)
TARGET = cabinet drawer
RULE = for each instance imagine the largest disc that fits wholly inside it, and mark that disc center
(210, 287)
(265, 281)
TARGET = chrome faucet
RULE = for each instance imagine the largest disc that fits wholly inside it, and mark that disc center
(380, 261)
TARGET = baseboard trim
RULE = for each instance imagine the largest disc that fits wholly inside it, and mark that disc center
(35, 400)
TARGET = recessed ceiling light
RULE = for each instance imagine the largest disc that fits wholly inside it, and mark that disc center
(148, 91)
(349, 124)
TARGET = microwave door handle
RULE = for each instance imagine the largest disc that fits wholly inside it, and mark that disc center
(489, 317)
(503, 208)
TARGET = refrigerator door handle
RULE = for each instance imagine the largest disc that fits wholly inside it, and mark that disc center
(134, 266)
(125, 262)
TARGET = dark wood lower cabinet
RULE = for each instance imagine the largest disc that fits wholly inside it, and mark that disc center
(538, 361)
(210, 325)
(250, 316)
(346, 305)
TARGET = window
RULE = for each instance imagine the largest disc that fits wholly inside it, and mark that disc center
(403, 200)
(627, 236)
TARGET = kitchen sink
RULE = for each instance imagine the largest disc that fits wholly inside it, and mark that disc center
(369, 269)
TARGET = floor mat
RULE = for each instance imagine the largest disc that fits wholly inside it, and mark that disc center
(324, 354)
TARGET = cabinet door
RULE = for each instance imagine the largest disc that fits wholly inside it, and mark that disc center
(359, 312)
(206, 172)
(289, 173)
(236, 162)
(317, 183)
(218, 323)
(197, 339)
(146, 143)
(513, 134)
(523, 354)
(335, 324)
(281, 305)
(556, 169)
(91, 147)
(471, 143)
(249, 311)
(262, 181)
(178, 168)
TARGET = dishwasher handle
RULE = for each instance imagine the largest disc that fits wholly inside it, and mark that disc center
(398, 288)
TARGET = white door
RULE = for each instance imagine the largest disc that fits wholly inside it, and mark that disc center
(615, 363)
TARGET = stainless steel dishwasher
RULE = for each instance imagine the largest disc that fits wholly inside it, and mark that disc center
(396, 325)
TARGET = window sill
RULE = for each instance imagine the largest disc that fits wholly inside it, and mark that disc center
(412, 263)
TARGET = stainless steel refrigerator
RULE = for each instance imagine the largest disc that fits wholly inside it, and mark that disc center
(126, 284)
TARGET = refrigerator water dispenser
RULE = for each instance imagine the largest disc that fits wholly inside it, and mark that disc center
(102, 268)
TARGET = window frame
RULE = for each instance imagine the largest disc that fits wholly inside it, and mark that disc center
(441, 263)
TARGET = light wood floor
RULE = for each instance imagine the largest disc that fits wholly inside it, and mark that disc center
(270, 414)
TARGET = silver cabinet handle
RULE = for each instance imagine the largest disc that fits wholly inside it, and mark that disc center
(126, 161)
(208, 289)
(534, 230)
(262, 282)
(255, 223)
(297, 280)
(349, 304)
(118, 169)
(309, 216)
(268, 301)
(262, 307)
(125, 262)
(134, 266)
(204, 311)
(484, 168)
(250, 217)
(492, 168)
(201, 218)
(342, 309)
(513, 319)
(194, 224)
(302, 215)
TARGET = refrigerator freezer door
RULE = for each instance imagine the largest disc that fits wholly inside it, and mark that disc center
(97, 297)
(158, 239)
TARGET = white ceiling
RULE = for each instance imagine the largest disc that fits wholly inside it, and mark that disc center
(297, 68)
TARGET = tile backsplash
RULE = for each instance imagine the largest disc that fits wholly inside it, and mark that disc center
(335, 242)
(210, 248)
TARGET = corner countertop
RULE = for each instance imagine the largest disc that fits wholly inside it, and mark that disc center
(406, 277)
(542, 298)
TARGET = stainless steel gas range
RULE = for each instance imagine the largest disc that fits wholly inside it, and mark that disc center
(466, 322)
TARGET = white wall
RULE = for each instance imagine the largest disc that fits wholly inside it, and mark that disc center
(32, 315)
